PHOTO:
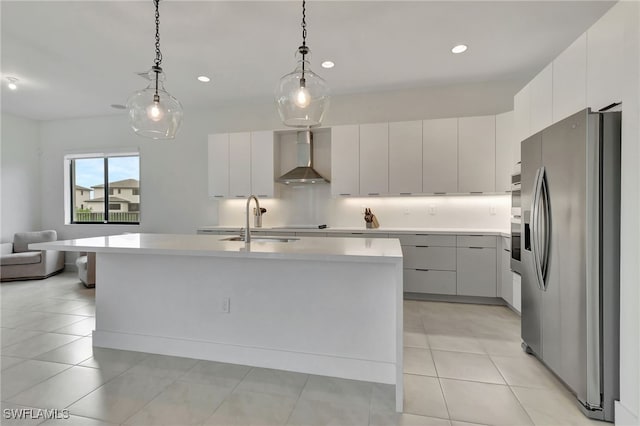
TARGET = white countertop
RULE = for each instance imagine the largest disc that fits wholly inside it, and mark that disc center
(312, 248)
(457, 231)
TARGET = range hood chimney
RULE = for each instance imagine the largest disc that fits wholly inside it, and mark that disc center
(305, 172)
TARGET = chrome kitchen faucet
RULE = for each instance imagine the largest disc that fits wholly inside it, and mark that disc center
(247, 232)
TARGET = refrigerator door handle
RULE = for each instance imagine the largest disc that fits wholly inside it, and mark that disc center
(546, 231)
(535, 225)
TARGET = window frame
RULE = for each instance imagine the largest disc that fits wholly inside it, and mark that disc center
(70, 159)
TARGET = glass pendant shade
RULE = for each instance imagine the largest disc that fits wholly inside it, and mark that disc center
(151, 117)
(302, 97)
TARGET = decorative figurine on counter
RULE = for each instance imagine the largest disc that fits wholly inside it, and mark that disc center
(370, 219)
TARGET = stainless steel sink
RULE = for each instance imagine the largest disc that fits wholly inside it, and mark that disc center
(262, 239)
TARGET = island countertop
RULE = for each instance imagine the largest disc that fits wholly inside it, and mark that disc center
(311, 248)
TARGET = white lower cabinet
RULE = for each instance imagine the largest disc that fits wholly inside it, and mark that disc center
(429, 281)
(476, 265)
(429, 263)
(438, 258)
(506, 282)
(476, 271)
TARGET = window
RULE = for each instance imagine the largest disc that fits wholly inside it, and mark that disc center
(99, 172)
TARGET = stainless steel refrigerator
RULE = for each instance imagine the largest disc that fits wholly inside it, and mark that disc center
(570, 255)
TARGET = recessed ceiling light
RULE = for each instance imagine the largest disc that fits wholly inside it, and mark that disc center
(118, 106)
(328, 64)
(459, 48)
(204, 79)
(12, 83)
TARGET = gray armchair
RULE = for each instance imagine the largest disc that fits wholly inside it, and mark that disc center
(17, 262)
(86, 264)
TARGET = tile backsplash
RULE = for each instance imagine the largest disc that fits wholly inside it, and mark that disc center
(313, 205)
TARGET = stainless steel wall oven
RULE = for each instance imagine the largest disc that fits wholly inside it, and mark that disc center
(516, 221)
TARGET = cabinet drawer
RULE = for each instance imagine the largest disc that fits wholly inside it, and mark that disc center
(506, 243)
(270, 233)
(208, 232)
(311, 234)
(426, 240)
(434, 282)
(357, 235)
(476, 241)
(439, 258)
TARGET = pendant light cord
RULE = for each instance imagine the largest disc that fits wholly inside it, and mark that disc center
(303, 49)
(158, 59)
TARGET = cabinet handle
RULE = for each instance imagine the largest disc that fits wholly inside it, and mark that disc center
(374, 193)
(424, 270)
(345, 194)
(440, 193)
(476, 248)
(405, 193)
(507, 250)
(240, 196)
(476, 192)
(263, 195)
(218, 196)
(357, 233)
(422, 246)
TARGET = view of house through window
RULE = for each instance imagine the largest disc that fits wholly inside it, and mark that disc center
(105, 189)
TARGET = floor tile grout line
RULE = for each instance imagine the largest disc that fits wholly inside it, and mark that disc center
(39, 383)
(444, 398)
(232, 390)
(298, 400)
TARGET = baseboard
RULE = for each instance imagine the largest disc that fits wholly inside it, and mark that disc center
(624, 417)
(455, 299)
(310, 363)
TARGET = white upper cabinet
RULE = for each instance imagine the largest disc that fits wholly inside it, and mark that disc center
(505, 136)
(374, 159)
(476, 154)
(240, 164)
(521, 119)
(440, 155)
(542, 99)
(405, 157)
(605, 59)
(570, 80)
(262, 164)
(218, 146)
(345, 160)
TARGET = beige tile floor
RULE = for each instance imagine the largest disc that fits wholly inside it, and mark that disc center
(463, 366)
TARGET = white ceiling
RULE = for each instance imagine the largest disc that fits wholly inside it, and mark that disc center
(75, 58)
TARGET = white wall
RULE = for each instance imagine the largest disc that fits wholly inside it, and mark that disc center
(174, 173)
(20, 165)
(628, 411)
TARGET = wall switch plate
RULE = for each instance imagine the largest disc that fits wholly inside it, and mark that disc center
(407, 212)
(431, 209)
(226, 305)
(492, 210)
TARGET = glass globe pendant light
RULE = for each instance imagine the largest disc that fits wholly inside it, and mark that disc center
(302, 96)
(153, 112)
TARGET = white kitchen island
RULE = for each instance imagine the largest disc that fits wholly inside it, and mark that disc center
(327, 306)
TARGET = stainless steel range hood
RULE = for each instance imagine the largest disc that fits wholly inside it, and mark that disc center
(305, 172)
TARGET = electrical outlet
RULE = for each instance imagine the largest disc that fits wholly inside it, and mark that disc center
(432, 209)
(226, 305)
(492, 210)
(407, 212)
